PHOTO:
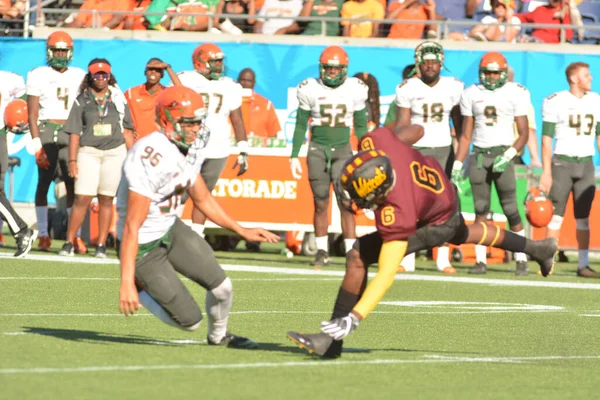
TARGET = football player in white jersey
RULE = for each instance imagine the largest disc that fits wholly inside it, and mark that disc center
(571, 117)
(51, 91)
(490, 109)
(430, 100)
(335, 103)
(13, 111)
(157, 245)
(223, 97)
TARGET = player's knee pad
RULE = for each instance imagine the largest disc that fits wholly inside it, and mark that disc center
(582, 224)
(555, 223)
(224, 291)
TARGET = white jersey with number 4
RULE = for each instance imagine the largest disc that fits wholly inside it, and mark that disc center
(222, 96)
(155, 168)
(332, 107)
(575, 119)
(430, 107)
(57, 90)
(12, 86)
(494, 112)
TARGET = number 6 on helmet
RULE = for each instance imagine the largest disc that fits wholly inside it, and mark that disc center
(16, 118)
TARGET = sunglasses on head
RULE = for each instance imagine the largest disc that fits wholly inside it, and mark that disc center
(100, 76)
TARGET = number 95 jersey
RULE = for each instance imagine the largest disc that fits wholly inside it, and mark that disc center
(57, 90)
(494, 112)
(155, 168)
(332, 107)
(430, 107)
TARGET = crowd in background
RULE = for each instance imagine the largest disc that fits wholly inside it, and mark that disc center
(262, 17)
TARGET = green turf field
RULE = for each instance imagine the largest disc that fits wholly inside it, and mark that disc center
(436, 336)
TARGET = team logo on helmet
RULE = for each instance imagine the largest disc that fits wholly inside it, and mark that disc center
(366, 180)
(204, 59)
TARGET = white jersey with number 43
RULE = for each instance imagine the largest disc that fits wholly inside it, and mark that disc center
(222, 96)
(57, 90)
(155, 168)
(332, 107)
(494, 112)
(430, 107)
(12, 86)
(575, 119)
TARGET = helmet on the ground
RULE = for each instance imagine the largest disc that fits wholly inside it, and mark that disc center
(16, 118)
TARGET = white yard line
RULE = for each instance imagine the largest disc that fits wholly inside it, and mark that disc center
(547, 283)
(428, 359)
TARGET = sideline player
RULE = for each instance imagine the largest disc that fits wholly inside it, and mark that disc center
(223, 97)
(335, 103)
(571, 117)
(490, 109)
(156, 244)
(51, 91)
(402, 186)
(431, 100)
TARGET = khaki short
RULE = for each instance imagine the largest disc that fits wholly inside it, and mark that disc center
(99, 171)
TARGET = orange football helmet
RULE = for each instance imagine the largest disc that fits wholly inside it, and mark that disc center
(175, 106)
(204, 58)
(538, 208)
(16, 118)
(333, 58)
(59, 42)
(493, 62)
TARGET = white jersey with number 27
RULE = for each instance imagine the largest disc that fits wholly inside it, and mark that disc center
(155, 168)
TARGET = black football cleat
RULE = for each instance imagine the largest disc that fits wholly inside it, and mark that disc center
(25, 238)
(479, 269)
(522, 269)
(543, 253)
(319, 344)
(321, 259)
(235, 342)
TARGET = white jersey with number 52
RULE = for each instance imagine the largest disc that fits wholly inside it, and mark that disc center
(222, 97)
(576, 120)
(430, 107)
(494, 112)
(332, 107)
(57, 90)
(155, 168)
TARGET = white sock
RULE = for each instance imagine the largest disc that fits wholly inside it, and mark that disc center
(218, 305)
(41, 212)
(199, 229)
(443, 255)
(480, 253)
(322, 243)
(583, 259)
(78, 233)
(408, 262)
(348, 244)
(520, 256)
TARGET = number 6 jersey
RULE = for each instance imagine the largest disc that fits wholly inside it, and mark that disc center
(155, 168)
(57, 90)
(575, 122)
(494, 112)
(430, 107)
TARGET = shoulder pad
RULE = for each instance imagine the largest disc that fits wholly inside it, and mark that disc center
(520, 86)
(553, 95)
(403, 83)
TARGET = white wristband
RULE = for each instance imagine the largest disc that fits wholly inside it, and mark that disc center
(242, 146)
(36, 143)
(510, 153)
(457, 165)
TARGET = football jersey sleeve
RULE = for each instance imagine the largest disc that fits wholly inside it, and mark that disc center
(33, 87)
(18, 88)
(550, 109)
(235, 95)
(458, 89)
(141, 176)
(522, 100)
(466, 104)
(402, 99)
(303, 94)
